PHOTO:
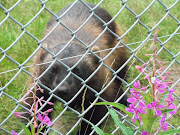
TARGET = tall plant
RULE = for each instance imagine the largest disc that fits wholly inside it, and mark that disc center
(40, 118)
(151, 104)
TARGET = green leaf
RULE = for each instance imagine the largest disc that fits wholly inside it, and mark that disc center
(165, 93)
(98, 130)
(41, 129)
(26, 130)
(147, 98)
(121, 107)
(117, 105)
(150, 123)
(32, 129)
(125, 130)
(167, 110)
(169, 132)
(136, 89)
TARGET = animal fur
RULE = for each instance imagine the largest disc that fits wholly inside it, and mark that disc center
(74, 19)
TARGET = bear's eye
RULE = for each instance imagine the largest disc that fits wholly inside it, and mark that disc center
(53, 70)
(77, 71)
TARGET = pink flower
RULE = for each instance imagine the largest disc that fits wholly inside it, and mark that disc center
(147, 77)
(172, 106)
(136, 111)
(132, 100)
(132, 109)
(144, 133)
(50, 103)
(49, 110)
(136, 97)
(140, 68)
(44, 119)
(170, 98)
(171, 90)
(40, 100)
(137, 84)
(163, 124)
(161, 68)
(19, 114)
(148, 54)
(14, 133)
(42, 90)
(156, 108)
(132, 91)
(160, 86)
(142, 107)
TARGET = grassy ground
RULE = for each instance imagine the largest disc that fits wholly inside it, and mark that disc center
(24, 12)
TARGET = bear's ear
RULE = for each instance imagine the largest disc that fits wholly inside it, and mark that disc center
(96, 50)
(45, 45)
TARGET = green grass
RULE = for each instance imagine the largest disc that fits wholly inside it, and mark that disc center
(24, 12)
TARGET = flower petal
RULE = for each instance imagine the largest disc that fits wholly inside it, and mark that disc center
(171, 90)
(46, 118)
(141, 104)
(13, 132)
(165, 126)
(172, 106)
(153, 104)
(160, 106)
(137, 84)
(129, 110)
(144, 133)
(158, 112)
(40, 117)
(163, 85)
(139, 68)
(49, 123)
(149, 106)
(131, 100)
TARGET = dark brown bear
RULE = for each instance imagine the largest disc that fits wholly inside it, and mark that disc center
(70, 74)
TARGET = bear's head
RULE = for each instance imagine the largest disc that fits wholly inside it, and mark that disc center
(69, 68)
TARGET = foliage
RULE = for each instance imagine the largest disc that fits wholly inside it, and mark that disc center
(35, 127)
(149, 103)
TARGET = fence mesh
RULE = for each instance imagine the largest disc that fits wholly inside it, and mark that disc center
(21, 39)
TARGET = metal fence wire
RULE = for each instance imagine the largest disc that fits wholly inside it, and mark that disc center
(67, 117)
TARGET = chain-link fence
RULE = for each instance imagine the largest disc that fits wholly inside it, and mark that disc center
(22, 24)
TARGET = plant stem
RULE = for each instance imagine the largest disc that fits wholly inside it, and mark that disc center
(154, 63)
(153, 75)
(35, 90)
